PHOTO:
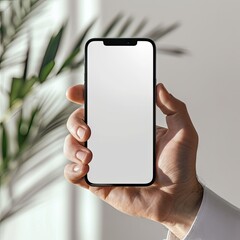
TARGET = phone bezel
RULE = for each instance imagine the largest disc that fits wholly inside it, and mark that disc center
(123, 42)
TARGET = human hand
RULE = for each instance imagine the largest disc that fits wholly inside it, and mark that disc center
(175, 196)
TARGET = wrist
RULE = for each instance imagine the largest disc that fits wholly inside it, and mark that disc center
(185, 208)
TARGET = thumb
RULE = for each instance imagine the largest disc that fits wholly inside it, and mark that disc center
(168, 104)
(176, 110)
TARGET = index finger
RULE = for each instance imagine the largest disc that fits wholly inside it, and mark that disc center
(76, 94)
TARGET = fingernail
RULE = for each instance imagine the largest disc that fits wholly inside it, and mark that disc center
(81, 132)
(81, 155)
(76, 168)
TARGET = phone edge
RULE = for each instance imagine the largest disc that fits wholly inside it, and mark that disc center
(154, 112)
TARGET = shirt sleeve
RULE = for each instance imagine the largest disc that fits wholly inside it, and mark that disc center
(216, 219)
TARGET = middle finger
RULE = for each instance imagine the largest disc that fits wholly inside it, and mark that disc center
(77, 127)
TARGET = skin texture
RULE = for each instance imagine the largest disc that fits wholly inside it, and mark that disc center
(175, 197)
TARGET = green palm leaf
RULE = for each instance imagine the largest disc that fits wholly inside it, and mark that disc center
(76, 49)
(25, 71)
(16, 86)
(139, 28)
(112, 25)
(158, 32)
(172, 51)
(17, 17)
(125, 26)
(48, 61)
(5, 148)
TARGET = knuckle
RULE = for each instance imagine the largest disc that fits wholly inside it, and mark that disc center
(80, 112)
(75, 121)
(67, 145)
(69, 176)
(90, 154)
(89, 157)
(67, 140)
(183, 105)
(68, 124)
(196, 136)
(88, 131)
(72, 122)
(73, 179)
(66, 172)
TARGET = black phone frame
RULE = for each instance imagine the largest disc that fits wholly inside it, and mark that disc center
(123, 42)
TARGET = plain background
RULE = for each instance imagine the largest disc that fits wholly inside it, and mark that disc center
(207, 79)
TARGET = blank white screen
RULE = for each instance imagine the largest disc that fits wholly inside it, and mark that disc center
(120, 112)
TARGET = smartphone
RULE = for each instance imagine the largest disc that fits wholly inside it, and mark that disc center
(120, 110)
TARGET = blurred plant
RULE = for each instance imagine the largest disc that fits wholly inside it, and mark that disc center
(38, 125)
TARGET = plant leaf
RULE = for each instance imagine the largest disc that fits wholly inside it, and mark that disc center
(125, 26)
(8, 38)
(77, 64)
(48, 148)
(139, 28)
(25, 127)
(68, 60)
(77, 47)
(43, 144)
(20, 88)
(12, 14)
(51, 52)
(2, 28)
(24, 77)
(17, 83)
(33, 190)
(20, 134)
(84, 34)
(28, 86)
(28, 196)
(46, 70)
(112, 24)
(158, 33)
(60, 117)
(32, 119)
(4, 146)
(4, 142)
(172, 51)
(16, 209)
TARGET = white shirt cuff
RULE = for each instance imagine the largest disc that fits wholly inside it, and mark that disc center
(216, 219)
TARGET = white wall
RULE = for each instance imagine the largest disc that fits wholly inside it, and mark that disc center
(207, 79)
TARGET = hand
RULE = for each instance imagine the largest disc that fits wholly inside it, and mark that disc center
(175, 196)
